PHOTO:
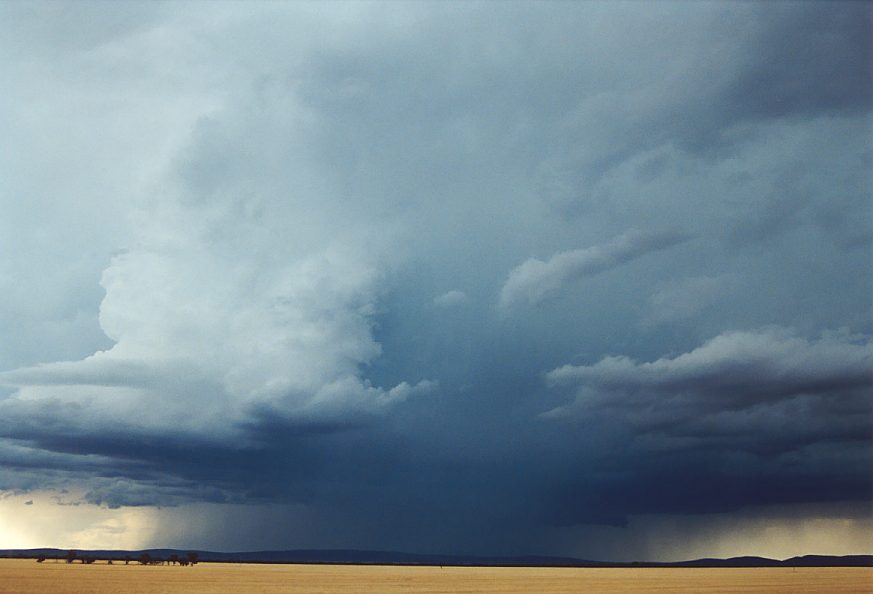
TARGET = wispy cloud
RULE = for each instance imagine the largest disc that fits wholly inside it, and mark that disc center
(451, 298)
(535, 280)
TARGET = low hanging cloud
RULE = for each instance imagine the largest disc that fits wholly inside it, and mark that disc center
(768, 384)
(534, 280)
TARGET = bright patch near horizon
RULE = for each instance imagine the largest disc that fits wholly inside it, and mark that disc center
(61, 520)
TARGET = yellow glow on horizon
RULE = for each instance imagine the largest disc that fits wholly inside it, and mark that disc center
(778, 532)
(785, 538)
(59, 521)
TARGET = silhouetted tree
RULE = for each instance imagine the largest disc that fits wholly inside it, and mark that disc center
(192, 558)
(127, 559)
(71, 556)
(174, 558)
(145, 558)
(40, 559)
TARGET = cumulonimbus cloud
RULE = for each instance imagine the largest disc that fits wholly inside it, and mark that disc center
(535, 280)
(225, 305)
(193, 336)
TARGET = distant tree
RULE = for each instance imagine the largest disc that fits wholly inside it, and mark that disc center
(174, 558)
(71, 556)
(193, 558)
(109, 561)
(40, 559)
(127, 559)
(145, 558)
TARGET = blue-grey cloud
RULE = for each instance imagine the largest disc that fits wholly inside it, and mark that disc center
(451, 298)
(740, 384)
(534, 280)
(687, 298)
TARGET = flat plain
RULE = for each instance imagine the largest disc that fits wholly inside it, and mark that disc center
(21, 576)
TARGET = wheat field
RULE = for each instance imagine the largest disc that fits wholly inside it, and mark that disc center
(21, 576)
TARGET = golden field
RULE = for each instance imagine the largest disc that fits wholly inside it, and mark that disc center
(21, 576)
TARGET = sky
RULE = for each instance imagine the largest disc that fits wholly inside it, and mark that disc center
(583, 279)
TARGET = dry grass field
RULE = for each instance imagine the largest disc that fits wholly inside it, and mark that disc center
(29, 577)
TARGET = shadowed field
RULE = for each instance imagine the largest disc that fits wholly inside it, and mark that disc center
(28, 577)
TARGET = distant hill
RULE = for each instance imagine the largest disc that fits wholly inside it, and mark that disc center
(353, 557)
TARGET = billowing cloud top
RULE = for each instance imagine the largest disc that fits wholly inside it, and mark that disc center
(221, 312)
(430, 274)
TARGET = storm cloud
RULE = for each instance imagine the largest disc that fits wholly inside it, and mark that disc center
(759, 384)
(440, 278)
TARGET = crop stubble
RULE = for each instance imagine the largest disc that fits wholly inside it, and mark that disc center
(28, 577)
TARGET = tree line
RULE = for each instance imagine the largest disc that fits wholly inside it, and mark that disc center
(191, 558)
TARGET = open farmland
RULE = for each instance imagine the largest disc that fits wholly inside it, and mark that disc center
(27, 577)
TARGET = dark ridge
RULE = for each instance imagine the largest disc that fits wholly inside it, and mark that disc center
(354, 557)
(827, 561)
